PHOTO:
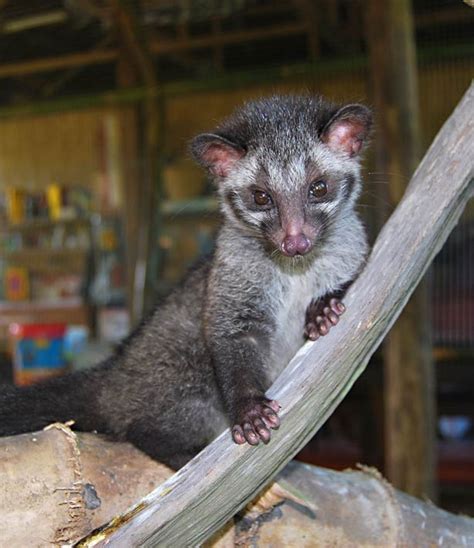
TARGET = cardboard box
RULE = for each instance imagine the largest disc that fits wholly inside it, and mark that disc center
(38, 352)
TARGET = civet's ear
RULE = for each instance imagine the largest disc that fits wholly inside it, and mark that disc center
(347, 131)
(216, 153)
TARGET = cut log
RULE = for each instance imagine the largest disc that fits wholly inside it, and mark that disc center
(58, 486)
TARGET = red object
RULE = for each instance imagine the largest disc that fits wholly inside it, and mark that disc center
(37, 330)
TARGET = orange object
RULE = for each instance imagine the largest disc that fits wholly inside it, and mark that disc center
(17, 283)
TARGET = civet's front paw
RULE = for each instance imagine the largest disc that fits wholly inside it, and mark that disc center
(321, 315)
(255, 420)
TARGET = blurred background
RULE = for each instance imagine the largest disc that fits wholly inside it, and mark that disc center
(102, 211)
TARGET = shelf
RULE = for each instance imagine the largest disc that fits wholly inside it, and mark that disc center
(71, 311)
(193, 206)
(37, 224)
(456, 461)
(50, 260)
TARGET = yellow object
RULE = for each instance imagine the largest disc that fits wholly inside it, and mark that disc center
(15, 205)
(53, 195)
(17, 283)
(108, 240)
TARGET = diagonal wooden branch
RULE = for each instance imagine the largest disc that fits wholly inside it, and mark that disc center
(200, 498)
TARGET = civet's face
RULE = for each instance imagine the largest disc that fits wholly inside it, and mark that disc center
(288, 188)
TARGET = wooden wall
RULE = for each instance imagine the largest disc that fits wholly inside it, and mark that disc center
(78, 148)
(192, 113)
(441, 87)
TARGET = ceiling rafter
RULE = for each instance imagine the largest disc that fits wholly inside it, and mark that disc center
(156, 47)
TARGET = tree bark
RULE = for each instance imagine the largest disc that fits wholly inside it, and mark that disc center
(201, 497)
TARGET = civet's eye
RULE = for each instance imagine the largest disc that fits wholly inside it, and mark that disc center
(318, 189)
(262, 198)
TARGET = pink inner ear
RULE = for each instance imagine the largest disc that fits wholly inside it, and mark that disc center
(221, 158)
(346, 136)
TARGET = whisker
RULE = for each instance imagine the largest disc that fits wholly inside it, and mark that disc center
(388, 174)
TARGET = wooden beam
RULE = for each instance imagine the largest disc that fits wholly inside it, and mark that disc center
(48, 64)
(127, 78)
(161, 47)
(98, 57)
(107, 98)
(444, 16)
(309, 14)
(204, 494)
(218, 51)
(135, 42)
(409, 393)
(54, 84)
(231, 80)
(153, 135)
(44, 19)
(157, 47)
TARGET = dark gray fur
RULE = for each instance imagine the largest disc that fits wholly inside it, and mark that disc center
(204, 358)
